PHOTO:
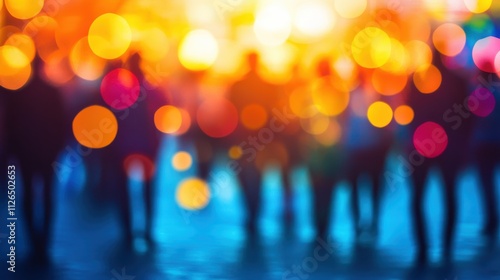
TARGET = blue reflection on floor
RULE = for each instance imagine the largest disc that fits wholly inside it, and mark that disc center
(211, 244)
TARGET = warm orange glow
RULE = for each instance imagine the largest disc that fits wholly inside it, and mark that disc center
(420, 55)
(388, 83)
(57, 69)
(15, 68)
(13, 59)
(301, 103)
(331, 135)
(17, 80)
(185, 122)
(43, 29)
(316, 125)
(182, 161)
(84, 62)
(427, 79)
(399, 60)
(449, 39)
(330, 97)
(253, 116)
(95, 127)
(153, 44)
(168, 119)
(404, 115)
(24, 43)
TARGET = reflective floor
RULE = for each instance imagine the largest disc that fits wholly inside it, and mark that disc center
(211, 244)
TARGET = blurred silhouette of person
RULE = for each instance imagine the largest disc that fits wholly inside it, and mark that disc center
(367, 147)
(79, 95)
(35, 130)
(289, 139)
(324, 162)
(253, 257)
(444, 107)
(252, 90)
(188, 94)
(487, 143)
(135, 149)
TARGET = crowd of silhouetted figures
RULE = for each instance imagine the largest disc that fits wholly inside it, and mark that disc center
(35, 128)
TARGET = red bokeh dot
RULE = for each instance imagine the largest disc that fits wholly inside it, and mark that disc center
(120, 89)
(146, 165)
(217, 117)
(430, 139)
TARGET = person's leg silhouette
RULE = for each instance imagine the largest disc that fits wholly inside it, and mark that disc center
(251, 182)
(486, 166)
(417, 205)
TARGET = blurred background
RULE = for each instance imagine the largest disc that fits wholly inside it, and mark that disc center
(251, 139)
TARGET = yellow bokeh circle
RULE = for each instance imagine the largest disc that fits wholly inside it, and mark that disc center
(371, 47)
(24, 9)
(379, 114)
(193, 194)
(24, 43)
(15, 67)
(478, 6)
(109, 36)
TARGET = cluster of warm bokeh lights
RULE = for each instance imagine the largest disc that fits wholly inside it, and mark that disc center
(381, 45)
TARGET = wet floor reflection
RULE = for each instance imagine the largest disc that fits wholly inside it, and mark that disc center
(211, 244)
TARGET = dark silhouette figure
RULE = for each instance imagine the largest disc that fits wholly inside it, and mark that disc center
(324, 165)
(290, 140)
(35, 130)
(188, 94)
(136, 145)
(367, 147)
(446, 107)
(81, 94)
(252, 89)
(487, 142)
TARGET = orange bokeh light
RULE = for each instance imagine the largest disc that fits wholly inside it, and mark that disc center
(253, 116)
(427, 79)
(95, 127)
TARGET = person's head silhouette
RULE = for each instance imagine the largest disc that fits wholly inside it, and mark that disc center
(323, 68)
(252, 60)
